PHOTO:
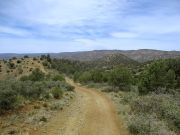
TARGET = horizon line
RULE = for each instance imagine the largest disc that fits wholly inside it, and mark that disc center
(88, 51)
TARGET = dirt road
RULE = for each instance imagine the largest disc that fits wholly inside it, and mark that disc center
(91, 113)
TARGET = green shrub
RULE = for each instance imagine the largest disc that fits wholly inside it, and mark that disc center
(19, 101)
(147, 125)
(57, 93)
(97, 76)
(85, 77)
(4, 61)
(43, 118)
(121, 77)
(164, 106)
(129, 97)
(36, 75)
(34, 58)
(7, 99)
(24, 78)
(45, 63)
(160, 74)
(14, 58)
(11, 65)
(13, 93)
(18, 61)
(7, 71)
(48, 57)
(69, 87)
(58, 78)
(26, 56)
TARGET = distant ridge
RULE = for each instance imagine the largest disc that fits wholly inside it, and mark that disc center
(141, 55)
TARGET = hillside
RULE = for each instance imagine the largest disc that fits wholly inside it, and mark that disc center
(31, 93)
(115, 59)
(142, 55)
(85, 55)
(145, 55)
(19, 67)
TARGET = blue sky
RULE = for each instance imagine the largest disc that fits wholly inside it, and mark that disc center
(28, 26)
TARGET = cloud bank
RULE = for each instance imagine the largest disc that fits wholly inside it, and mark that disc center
(76, 25)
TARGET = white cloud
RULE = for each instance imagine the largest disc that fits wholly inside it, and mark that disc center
(155, 24)
(62, 12)
(124, 35)
(14, 31)
(87, 42)
(89, 24)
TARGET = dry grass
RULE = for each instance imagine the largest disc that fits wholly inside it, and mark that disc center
(21, 67)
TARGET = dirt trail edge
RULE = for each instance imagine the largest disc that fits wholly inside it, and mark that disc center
(92, 113)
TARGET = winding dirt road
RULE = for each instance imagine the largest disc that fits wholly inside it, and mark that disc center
(91, 113)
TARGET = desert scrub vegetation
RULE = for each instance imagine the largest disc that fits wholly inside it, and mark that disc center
(12, 91)
(148, 96)
(164, 107)
(36, 75)
(162, 76)
(36, 86)
(119, 78)
(57, 93)
(19, 67)
(154, 106)
(151, 114)
(58, 78)
(155, 114)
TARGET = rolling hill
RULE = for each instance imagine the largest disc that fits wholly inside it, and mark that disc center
(15, 68)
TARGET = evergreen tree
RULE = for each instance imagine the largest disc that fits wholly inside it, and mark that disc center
(171, 79)
(120, 77)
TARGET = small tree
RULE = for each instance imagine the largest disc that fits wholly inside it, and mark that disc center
(76, 76)
(171, 79)
(97, 76)
(85, 77)
(48, 58)
(120, 77)
(26, 56)
(43, 57)
(160, 76)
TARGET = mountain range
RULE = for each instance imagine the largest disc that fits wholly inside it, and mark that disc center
(142, 55)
